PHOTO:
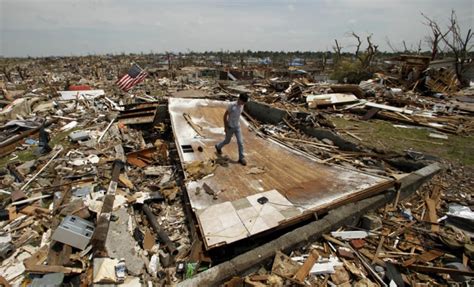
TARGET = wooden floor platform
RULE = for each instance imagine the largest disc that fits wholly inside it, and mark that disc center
(294, 185)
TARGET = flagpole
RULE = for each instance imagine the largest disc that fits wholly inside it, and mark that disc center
(138, 66)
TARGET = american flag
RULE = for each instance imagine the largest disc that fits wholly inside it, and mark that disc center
(134, 76)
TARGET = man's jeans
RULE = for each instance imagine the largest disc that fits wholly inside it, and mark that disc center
(228, 136)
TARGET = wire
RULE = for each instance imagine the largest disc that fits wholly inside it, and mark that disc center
(289, 205)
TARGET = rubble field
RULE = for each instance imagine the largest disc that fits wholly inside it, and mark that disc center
(105, 187)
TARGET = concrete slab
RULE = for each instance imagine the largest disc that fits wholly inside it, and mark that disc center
(121, 244)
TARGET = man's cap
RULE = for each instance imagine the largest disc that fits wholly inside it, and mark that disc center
(244, 97)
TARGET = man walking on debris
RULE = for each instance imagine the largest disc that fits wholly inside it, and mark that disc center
(232, 126)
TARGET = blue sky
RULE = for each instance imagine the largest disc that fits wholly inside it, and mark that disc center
(79, 27)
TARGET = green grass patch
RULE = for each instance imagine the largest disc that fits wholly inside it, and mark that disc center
(383, 135)
(24, 155)
(61, 138)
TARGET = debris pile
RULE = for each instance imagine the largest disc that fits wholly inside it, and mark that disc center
(93, 191)
(89, 192)
(424, 240)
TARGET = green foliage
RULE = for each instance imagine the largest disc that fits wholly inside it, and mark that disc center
(351, 70)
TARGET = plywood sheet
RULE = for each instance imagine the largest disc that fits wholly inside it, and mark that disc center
(294, 180)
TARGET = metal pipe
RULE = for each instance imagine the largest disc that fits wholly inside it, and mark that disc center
(159, 231)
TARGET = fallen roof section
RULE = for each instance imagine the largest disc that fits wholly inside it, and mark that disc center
(336, 218)
(226, 202)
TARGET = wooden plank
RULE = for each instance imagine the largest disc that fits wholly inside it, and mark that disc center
(388, 108)
(425, 257)
(149, 240)
(123, 179)
(43, 269)
(329, 99)
(438, 270)
(430, 255)
(307, 265)
(432, 216)
(329, 238)
(59, 257)
(371, 256)
(102, 226)
(31, 210)
(38, 257)
(379, 248)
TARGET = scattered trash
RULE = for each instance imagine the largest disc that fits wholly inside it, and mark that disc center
(121, 270)
(95, 191)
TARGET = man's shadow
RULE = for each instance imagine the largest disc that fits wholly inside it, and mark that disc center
(224, 160)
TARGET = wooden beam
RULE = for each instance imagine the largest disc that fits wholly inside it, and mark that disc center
(432, 216)
(53, 269)
(379, 248)
(102, 226)
(442, 270)
(307, 265)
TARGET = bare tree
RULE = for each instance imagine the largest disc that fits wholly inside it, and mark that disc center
(324, 61)
(337, 49)
(458, 44)
(367, 57)
(389, 44)
(359, 43)
(418, 50)
(436, 36)
(370, 52)
(405, 49)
